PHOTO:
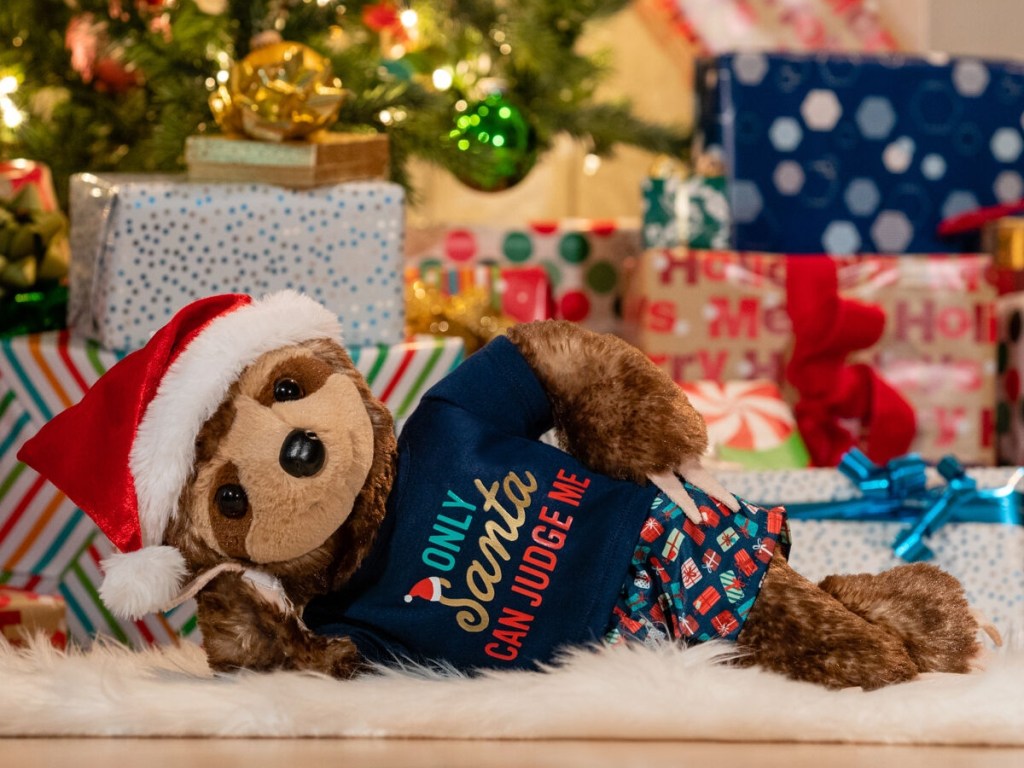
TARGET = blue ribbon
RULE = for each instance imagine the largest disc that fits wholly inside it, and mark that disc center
(898, 491)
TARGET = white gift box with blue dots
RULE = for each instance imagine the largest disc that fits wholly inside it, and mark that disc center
(145, 246)
(987, 558)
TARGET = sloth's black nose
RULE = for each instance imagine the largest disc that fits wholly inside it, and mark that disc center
(302, 453)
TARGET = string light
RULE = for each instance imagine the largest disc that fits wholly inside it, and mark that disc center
(442, 79)
(9, 113)
(408, 17)
(389, 116)
(591, 164)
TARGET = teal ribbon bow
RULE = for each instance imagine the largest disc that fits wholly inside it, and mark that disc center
(898, 491)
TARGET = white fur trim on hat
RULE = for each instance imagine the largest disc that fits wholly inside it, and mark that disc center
(195, 385)
(141, 582)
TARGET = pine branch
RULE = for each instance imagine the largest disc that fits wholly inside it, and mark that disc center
(76, 122)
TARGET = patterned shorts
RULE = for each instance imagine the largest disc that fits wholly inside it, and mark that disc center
(696, 582)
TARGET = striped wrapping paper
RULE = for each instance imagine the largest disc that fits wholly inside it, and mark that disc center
(50, 546)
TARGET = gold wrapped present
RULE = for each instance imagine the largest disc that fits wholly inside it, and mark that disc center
(275, 108)
(326, 159)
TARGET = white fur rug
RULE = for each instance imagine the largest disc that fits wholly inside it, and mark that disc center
(624, 693)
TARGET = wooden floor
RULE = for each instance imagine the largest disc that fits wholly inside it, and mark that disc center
(355, 753)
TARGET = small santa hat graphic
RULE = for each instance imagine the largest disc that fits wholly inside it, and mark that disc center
(125, 451)
(426, 589)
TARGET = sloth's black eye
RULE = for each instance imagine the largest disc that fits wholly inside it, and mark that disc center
(231, 501)
(287, 389)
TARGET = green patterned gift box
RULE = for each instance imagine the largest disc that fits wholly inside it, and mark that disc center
(681, 211)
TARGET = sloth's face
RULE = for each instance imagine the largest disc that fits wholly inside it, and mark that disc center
(284, 458)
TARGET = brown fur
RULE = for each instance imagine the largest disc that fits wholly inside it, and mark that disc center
(240, 629)
(802, 632)
(311, 373)
(921, 605)
(230, 534)
(593, 382)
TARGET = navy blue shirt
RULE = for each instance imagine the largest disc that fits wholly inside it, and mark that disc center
(497, 549)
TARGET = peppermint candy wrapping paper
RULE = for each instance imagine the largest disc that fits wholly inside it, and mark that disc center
(584, 259)
(835, 153)
(49, 545)
(987, 558)
(721, 315)
(749, 424)
(145, 246)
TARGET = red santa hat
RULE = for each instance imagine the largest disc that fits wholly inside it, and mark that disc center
(425, 589)
(125, 451)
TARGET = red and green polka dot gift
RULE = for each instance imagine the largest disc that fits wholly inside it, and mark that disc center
(584, 259)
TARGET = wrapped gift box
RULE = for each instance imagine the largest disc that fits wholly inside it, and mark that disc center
(46, 542)
(522, 294)
(15, 175)
(683, 26)
(662, 223)
(474, 303)
(848, 153)
(583, 259)
(689, 211)
(722, 316)
(145, 246)
(837, 530)
(329, 159)
(26, 614)
(1009, 419)
(749, 424)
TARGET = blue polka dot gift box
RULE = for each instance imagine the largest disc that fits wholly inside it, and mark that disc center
(867, 518)
(145, 246)
(841, 154)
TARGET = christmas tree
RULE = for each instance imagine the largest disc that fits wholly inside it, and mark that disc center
(95, 85)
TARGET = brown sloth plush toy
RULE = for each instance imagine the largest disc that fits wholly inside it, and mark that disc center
(240, 457)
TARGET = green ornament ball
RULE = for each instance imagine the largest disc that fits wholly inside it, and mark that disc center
(492, 145)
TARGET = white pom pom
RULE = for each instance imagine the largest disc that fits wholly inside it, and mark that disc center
(137, 583)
